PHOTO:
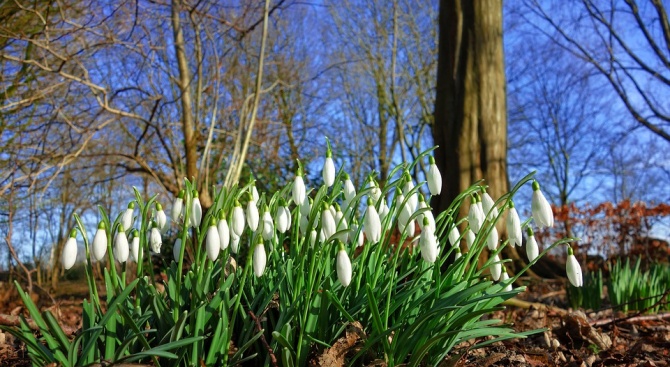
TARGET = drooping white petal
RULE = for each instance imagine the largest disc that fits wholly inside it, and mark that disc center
(372, 224)
(127, 218)
(328, 172)
(490, 209)
(573, 269)
(513, 225)
(196, 211)
(496, 268)
(161, 219)
(504, 278)
(434, 178)
(343, 267)
(234, 243)
(254, 193)
(470, 238)
(283, 219)
(155, 240)
(328, 225)
(252, 215)
(454, 234)
(492, 239)
(475, 217)
(177, 206)
(412, 198)
(349, 189)
(259, 260)
(212, 242)
(532, 249)
(224, 233)
(176, 249)
(298, 190)
(135, 246)
(428, 245)
(342, 225)
(268, 229)
(541, 209)
(312, 238)
(69, 255)
(237, 221)
(99, 246)
(121, 247)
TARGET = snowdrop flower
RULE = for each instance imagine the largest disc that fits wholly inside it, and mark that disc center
(304, 222)
(69, 255)
(372, 224)
(176, 249)
(328, 171)
(306, 207)
(268, 229)
(454, 235)
(504, 277)
(349, 189)
(470, 238)
(428, 244)
(532, 250)
(475, 215)
(121, 247)
(383, 210)
(458, 254)
(489, 206)
(542, 213)
(342, 224)
(252, 214)
(433, 177)
(412, 199)
(343, 266)
(492, 239)
(298, 189)
(178, 206)
(259, 259)
(513, 225)
(237, 219)
(312, 238)
(411, 228)
(254, 192)
(426, 214)
(328, 225)
(573, 269)
(356, 234)
(161, 218)
(234, 242)
(224, 230)
(496, 268)
(283, 217)
(213, 241)
(127, 218)
(196, 210)
(375, 192)
(100, 242)
(135, 245)
(155, 239)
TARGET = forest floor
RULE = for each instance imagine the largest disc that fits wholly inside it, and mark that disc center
(572, 338)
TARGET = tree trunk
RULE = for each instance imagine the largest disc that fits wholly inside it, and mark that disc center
(470, 106)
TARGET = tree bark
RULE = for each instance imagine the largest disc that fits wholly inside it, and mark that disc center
(470, 107)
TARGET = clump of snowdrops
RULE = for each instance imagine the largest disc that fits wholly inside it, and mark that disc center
(277, 278)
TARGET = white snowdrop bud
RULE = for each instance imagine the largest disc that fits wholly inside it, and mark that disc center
(343, 266)
(504, 277)
(298, 190)
(155, 239)
(492, 239)
(490, 209)
(306, 207)
(542, 213)
(268, 229)
(254, 193)
(475, 215)
(283, 217)
(224, 230)
(212, 241)
(496, 268)
(234, 243)
(469, 238)
(237, 219)
(69, 255)
(135, 245)
(383, 210)
(454, 235)
(349, 189)
(176, 249)
(341, 222)
(532, 250)
(252, 215)
(127, 218)
(121, 247)
(573, 269)
(513, 225)
(372, 224)
(312, 238)
(357, 236)
(433, 177)
(375, 192)
(304, 222)
(327, 222)
(178, 206)
(196, 210)
(259, 259)
(161, 218)
(428, 244)
(328, 171)
(412, 198)
(99, 246)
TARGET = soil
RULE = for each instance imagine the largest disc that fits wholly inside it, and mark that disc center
(572, 337)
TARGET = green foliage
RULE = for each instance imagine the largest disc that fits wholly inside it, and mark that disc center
(590, 295)
(632, 288)
(218, 313)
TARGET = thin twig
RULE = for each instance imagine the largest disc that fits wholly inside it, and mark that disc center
(273, 358)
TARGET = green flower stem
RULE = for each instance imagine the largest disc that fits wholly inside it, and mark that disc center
(238, 298)
(92, 287)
